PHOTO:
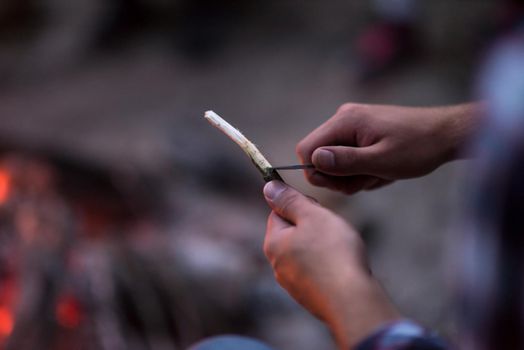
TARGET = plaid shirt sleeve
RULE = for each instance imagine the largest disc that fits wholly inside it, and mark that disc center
(402, 335)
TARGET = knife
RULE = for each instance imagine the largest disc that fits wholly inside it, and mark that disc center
(294, 167)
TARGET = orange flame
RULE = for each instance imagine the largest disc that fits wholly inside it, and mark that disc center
(6, 322)
(5, 180)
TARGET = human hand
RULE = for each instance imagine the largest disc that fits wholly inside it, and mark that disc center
(320, 260)
(363, 147)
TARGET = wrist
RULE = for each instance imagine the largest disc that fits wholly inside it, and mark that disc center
(363, 308)
(457, 125)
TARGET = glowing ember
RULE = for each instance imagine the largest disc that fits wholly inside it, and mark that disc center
(6, 322)
(69, 312)
(4, 186)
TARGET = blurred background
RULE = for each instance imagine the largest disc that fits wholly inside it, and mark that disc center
(127, 222)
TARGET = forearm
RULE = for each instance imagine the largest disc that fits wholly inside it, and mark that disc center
(363, 307)
(457, 125)
(363, 318)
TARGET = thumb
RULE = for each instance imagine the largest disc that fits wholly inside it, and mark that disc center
(287, 202)
(345, 161)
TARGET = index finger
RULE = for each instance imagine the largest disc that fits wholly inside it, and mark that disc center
(276, 223)
(330, 133)
(276, 229)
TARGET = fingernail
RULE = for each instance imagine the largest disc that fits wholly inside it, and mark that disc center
(273, 189)
(324, 159)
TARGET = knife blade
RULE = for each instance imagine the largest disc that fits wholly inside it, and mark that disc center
(294, 167)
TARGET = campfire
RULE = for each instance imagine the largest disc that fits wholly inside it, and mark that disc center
(57, 215)
(95, 258)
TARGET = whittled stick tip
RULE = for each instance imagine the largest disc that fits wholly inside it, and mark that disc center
(247, 146)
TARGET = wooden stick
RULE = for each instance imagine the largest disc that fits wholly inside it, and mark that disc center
(262, 164)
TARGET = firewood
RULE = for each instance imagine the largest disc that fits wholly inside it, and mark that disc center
(258, 159)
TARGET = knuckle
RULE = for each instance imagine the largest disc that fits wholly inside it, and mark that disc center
(289, 202)
(346, 107)
(269, 248)
(352, 109)
(313, 200)
(301, 148)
